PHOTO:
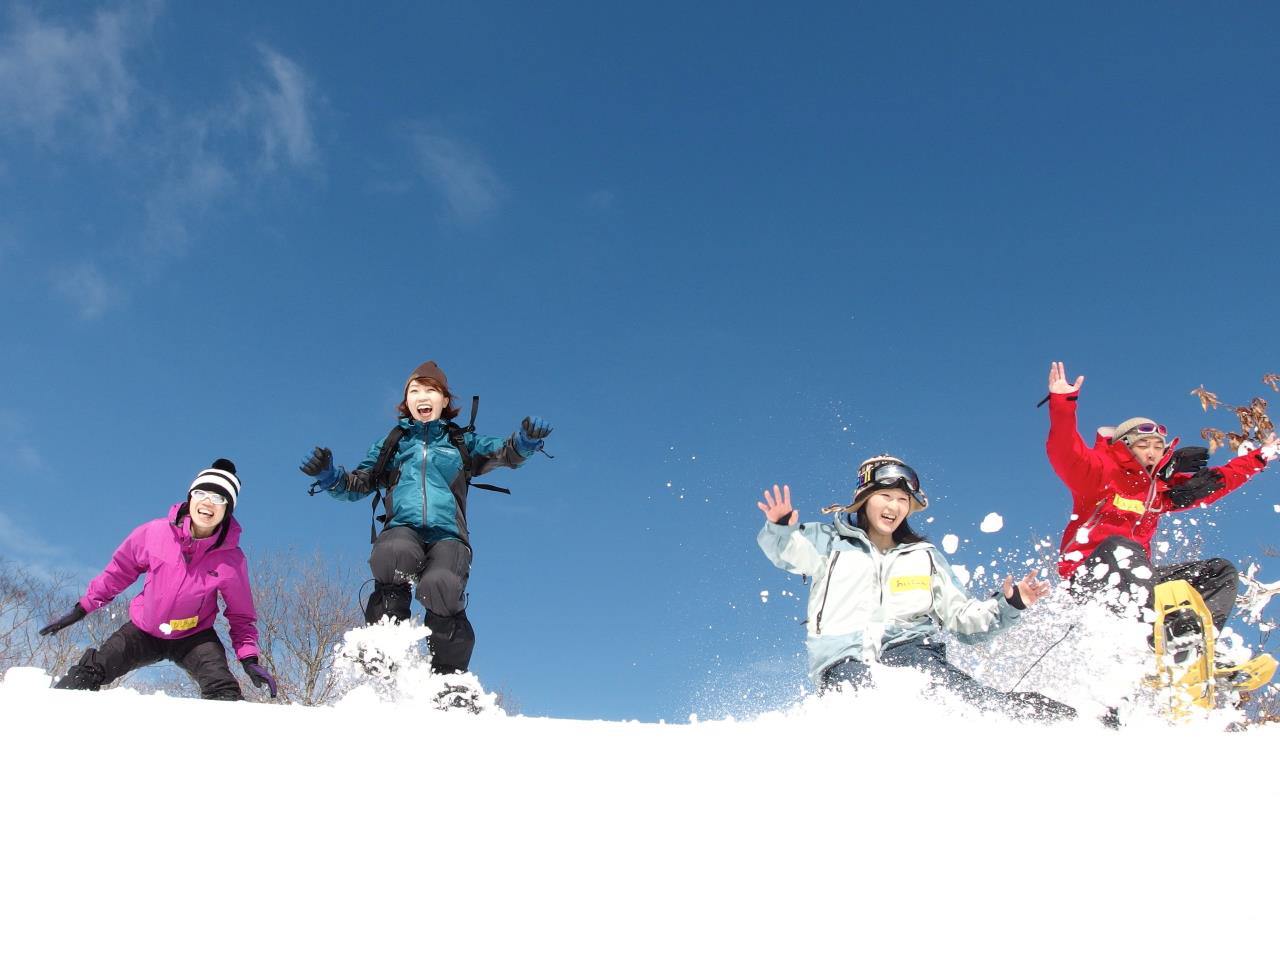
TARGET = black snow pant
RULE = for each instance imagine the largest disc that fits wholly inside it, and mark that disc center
(931, 659)
(441, 570)
(1120, 571)
(201, 655)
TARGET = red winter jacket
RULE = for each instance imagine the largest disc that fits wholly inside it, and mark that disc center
(1111, 493)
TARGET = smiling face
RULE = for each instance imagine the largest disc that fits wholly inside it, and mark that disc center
(886, 510)
(205, 514)
(1148, 450)
(425, 401)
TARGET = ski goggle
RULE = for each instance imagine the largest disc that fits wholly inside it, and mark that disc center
(1148, 428)
(215, 498)
(890, 475)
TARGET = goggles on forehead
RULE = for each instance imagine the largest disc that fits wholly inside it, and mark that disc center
(890, 475)
(214, 498)
(1149, 428)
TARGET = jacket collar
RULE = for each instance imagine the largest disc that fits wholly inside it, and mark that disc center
(1119, 452)
(417, 429)
(854, 533)
(190, 546)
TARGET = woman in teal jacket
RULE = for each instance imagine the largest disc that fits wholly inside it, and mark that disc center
(423, 483)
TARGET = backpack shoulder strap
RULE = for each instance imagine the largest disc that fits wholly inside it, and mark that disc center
(458, 437)
(379, 474)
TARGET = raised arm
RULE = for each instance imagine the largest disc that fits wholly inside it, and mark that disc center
(489, 453)
(788, 545)
(1211, 484)
(1077, 465)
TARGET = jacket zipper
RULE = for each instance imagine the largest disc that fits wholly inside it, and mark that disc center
(817, 624)
(426, 440)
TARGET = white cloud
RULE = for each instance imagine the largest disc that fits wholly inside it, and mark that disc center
(206, 156)
(84, 286)
(15, 450)
(466, 182)
(284, 105)
(54, 75)
(196, 180)
(19, 544)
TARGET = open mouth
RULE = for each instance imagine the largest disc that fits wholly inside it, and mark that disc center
(204, 513)
(425, 409)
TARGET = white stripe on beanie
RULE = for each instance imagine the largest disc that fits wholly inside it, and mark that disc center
(224, 481)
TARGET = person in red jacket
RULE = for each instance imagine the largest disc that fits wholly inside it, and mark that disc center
(1120, 487)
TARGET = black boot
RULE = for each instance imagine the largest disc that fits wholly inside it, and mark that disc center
(85, 675)
(452, 640)
(394, 600)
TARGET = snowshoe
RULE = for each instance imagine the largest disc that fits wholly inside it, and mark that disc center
(459, 696)
(1183, 635)
(371, 661)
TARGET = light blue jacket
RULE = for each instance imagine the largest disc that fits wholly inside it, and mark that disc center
(862, 601)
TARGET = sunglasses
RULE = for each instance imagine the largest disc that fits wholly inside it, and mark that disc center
(215, 498)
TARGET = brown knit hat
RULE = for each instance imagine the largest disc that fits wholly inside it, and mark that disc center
(430, 371)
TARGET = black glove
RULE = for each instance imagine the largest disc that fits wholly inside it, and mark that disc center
(258, 675)
(1197, 488)
(320, 460)
(75, 616)
(1186, 460)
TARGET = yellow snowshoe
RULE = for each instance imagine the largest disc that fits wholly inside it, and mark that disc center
(1184, 640)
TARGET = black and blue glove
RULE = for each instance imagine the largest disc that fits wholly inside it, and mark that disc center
(258, 674)
(319, 465)
(533, 431)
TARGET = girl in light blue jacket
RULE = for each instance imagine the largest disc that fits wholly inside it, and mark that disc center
(882, 594)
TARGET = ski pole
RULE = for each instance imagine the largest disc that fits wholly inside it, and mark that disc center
(1041, 657)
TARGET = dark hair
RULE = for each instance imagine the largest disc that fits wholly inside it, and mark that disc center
(450, 409)
(901, 534)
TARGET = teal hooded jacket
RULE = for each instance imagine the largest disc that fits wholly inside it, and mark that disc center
(429, 488)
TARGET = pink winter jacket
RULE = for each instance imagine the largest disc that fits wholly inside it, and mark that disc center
(184, 578)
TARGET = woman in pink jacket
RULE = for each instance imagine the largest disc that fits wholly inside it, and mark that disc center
(189, 558)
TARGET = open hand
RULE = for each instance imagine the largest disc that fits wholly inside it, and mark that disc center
(1058, 379)
(776, 506)
(1029, 589)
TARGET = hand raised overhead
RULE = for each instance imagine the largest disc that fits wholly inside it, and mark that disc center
(1058, 382)
(776, 506)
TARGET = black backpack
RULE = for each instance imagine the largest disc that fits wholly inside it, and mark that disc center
(382, 478)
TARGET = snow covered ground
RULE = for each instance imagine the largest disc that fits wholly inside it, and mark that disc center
(143, 825)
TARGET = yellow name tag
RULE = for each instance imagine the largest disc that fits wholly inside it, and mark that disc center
(186, 624)
(1129, 506)
(902, 584)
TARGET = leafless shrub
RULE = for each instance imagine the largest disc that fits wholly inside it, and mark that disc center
(305, 605)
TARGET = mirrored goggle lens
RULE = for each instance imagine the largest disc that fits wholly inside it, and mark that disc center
(215, 498)
(1152, 428)
(893, 473)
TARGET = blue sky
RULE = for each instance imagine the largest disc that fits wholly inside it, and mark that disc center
(716, 247)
